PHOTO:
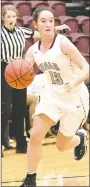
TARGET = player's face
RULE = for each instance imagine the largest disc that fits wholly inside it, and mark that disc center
(10, 19)
(45, 23)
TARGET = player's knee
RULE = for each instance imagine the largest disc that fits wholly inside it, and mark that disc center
(35, 138)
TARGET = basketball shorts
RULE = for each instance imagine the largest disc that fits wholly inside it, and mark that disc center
(71, 109)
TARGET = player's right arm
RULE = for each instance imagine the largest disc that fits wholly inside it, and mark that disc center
(29, 57)
(30, 60)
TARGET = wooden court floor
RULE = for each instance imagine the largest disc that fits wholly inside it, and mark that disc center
(55, 168)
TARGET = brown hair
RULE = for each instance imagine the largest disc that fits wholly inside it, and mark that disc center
(9, 7)
(40, 9)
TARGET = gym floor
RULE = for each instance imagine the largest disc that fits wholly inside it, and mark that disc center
(55, 168)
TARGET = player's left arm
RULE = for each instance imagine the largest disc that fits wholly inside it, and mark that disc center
(57, 28)
(61, 27)
(69, 49)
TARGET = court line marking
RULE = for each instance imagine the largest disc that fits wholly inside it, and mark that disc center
(64, 177)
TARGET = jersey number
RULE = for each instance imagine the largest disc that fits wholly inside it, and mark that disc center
(56, 78)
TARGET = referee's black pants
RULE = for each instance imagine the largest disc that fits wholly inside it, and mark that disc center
(18, 111)
(6, 100)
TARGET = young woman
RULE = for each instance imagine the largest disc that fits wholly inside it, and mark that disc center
(12, 46)
(64, 95)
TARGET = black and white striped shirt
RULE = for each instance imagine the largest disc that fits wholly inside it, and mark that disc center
(13, 42)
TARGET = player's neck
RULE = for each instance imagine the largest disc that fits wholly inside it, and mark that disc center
(46, 42)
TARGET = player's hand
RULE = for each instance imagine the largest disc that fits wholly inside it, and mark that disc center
(61, 27)
(10, 59)
(69, 85)
(18, 57)
(13, 59)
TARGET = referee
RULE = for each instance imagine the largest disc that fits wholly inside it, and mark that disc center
(12, 46)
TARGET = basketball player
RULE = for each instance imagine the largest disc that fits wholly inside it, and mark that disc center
(64, 95)
(12, 46)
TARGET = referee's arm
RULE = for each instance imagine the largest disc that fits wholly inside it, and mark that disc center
(30, 33)
(35, 34)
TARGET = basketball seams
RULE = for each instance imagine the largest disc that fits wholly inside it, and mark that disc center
(26, 72)
(19, 67)
(16, 74)
(10, 76)
(19, 78)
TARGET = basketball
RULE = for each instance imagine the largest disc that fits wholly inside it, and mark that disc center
(19, 74)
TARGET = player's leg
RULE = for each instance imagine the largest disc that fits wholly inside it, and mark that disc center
(31, 102)
(66, 138)
(70, 137)
(41, 125)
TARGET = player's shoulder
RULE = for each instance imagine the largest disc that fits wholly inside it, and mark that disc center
(32, 48)
(64, 41)
(62, 37)
(35, 45)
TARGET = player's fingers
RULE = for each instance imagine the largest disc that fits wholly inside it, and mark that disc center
(17, 57)
(69, 28)
(66, 27)
(67, 87)
(10, 59)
